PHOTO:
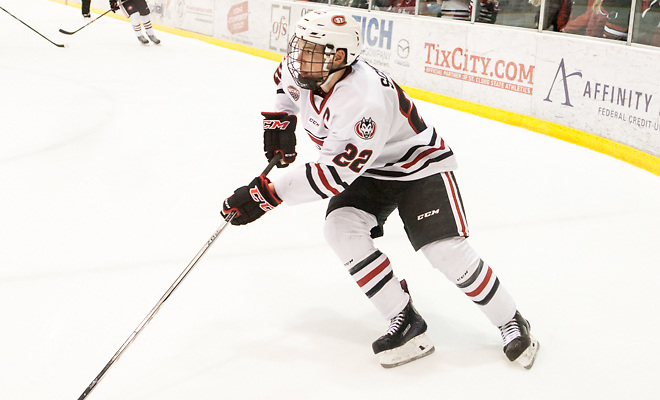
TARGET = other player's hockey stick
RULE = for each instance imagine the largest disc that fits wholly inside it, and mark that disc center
(94, 20)
(168, 293)
(17, 19)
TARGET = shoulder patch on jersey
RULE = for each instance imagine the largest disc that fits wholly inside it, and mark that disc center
(294, 92)
(365, 128)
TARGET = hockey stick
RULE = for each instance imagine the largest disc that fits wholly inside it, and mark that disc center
(71, 33)
(56, 44)
(168, 293)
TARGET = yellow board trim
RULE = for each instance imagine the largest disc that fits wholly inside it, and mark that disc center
(590, 141)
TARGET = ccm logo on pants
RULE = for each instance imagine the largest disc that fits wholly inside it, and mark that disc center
(428, 214)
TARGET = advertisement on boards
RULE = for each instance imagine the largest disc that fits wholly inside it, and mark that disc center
(237, 18)
(242, 22)
(280, 23)
(191, 15)
(387, 43)
(600, 90)
(491, 72)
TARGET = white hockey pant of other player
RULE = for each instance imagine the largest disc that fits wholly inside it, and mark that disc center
(348, 232)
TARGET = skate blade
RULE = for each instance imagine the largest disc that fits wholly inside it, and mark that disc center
(418, 347)
(527, 358)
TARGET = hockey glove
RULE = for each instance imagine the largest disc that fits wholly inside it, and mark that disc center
(250, 202)
(114, 6)
(280, 137)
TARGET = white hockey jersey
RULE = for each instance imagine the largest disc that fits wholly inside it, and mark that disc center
(366, 125)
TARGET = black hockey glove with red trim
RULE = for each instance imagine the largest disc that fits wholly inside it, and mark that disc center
(250, 202)
(114, 6)
(280, 137)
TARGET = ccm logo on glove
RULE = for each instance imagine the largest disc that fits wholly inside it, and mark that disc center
(275, 124)
(280, 137)
(250, 202)
(259, 198)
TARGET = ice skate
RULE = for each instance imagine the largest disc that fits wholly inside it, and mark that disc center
(153, 38)
(87, 15)
(405, 340)
(143, 39)
(519, 345)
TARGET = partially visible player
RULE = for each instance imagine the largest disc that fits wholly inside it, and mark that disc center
(140, 15)
(376, 155)
(84, 8)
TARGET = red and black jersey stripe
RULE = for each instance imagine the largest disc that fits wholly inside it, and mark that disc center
(324, 180)
(416, 159)
(277, 76)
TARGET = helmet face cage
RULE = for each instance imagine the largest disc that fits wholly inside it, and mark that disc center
(309, 63)
(318, 36)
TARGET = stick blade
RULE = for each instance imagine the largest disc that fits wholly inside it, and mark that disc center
(65, 32)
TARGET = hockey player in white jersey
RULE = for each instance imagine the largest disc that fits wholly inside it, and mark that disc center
(139, 14)
(376, 155)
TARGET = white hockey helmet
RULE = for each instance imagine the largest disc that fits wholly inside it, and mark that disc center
(332, 30)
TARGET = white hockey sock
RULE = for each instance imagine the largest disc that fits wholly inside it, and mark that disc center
(483, 287)
(462, 265)
(146, 22)
(135, 21)
(374, 275)
(348, 232)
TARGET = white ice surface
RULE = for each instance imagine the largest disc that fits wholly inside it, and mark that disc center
(114, 160)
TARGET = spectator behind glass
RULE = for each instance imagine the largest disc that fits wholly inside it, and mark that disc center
(602, 18)
(408, 7)
(557, 13)
(462, 10)
(346, 3)
(433, 8)
(400, 6)
(383, 5)
(487, 11)
(647, 23)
